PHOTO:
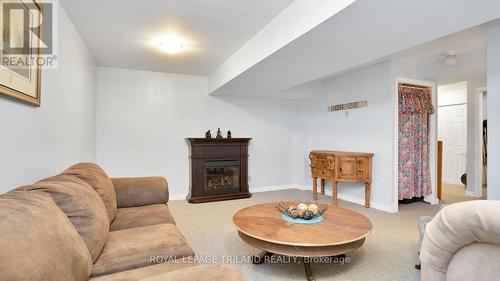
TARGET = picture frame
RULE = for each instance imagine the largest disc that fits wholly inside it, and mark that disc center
(21, 81)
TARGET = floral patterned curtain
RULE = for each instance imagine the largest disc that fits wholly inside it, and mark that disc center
(415, 107)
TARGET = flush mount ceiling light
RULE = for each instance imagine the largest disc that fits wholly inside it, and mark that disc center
(171, 44)
(451, 59)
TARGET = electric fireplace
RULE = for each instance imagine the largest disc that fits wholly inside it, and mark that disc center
(218, 169)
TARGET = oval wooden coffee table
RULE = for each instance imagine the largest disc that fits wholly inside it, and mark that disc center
(262, 227)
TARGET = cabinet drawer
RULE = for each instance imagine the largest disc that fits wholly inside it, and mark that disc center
(324, 174)
(361, 161)
(362, 168)
(322, 163)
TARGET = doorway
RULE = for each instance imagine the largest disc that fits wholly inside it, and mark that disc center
(452, 132)
(484, 144)
(480, 187)
(415, 169)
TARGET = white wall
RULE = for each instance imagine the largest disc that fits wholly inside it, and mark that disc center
(471, 69)
(473, 156)
(144, 117)
(493, 55)
(452, 94)
(39, 142)
(369, 129)
(485, 106)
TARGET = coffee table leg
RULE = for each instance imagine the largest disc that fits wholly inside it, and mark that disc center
(309, 275)
(342, 256)
(262, 257)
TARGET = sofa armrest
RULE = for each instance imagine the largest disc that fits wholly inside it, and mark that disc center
(134, 192)
(454, 227)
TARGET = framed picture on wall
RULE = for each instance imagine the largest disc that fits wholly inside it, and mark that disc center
(20, 71)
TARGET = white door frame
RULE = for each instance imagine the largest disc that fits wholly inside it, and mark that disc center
(477, 190)
(432, 199)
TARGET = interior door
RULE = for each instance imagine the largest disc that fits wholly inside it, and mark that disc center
(452, 130)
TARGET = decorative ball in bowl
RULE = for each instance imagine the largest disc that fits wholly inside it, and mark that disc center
(302, 212)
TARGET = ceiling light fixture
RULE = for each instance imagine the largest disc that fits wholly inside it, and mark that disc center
(171, 44)
(451, 59)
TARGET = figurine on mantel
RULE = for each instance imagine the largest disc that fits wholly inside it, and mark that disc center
(208, 135)
(219, 134)
(228, 134)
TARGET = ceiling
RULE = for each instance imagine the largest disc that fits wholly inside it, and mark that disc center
(469, 46)
(363, 33)
(461, 42)
(119, 33)
(427, 62)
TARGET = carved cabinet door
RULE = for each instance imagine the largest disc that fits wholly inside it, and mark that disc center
(347, 169)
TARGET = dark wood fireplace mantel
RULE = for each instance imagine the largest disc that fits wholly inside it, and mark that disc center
(218, 169)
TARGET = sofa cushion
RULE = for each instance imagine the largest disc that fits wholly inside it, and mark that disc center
(99, 181)
(140, 191)
(141, 216)
(211, 272)
(38, 242)
(82, 205)
(132, 248)
(146, 272)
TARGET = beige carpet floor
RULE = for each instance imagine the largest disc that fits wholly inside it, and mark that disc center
(388, 254)
(453, 193)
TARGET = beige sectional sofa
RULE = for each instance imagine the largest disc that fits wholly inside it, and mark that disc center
(462, 242)
(82, 225)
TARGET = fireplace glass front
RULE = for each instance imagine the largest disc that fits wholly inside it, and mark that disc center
(222, 176)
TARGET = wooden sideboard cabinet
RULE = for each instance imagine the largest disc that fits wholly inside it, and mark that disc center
(339, 166)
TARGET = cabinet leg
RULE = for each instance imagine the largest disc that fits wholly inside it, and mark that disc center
(323, 186)
(315, 189)
(367, 194)
(334, 193)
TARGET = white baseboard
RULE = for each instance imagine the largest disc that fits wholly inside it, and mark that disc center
(177, 196)
(431, 199)
(472, 194)
(352, 199)
(252, 190)
(276, 187)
